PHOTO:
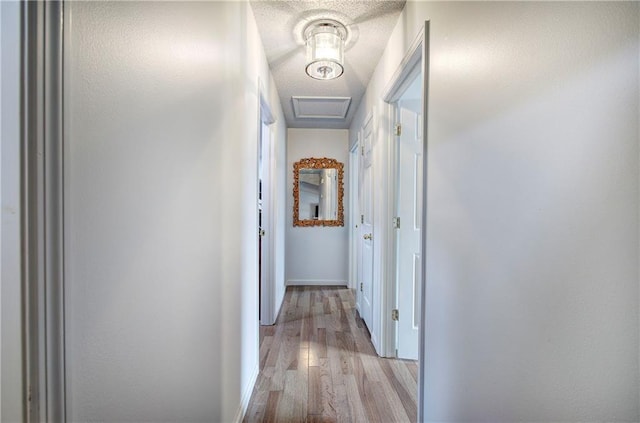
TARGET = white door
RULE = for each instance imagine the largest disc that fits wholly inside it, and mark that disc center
(263, 215)
(354, 220)
(366, 226)
(264, 230)
(409, 209)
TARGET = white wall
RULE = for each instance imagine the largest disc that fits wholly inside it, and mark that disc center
(316, 255)
(11, 386)
(532, 208)
(161, 215)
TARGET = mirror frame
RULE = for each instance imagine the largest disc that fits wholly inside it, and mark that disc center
(313, 163)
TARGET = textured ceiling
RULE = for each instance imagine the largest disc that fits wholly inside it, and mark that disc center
(281, 23)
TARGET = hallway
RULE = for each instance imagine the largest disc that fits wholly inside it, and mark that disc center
(134, 151)
(317, 364)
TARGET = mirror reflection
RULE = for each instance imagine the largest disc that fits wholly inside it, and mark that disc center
(318, 194)
(318, 191)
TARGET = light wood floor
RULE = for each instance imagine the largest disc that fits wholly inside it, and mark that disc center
(317, 364)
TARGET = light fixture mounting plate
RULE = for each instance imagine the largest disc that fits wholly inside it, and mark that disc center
(342, 30)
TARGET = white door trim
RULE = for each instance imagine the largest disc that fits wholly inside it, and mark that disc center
(386, 289)
(267, 282)
(402, 77)
(42, 218)
(354, 214)
(417, 54)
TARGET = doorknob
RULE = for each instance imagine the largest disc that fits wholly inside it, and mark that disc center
(262, 232)
(368, 236)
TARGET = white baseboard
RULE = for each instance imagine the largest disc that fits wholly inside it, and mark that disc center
(246, 395)
(315, 282)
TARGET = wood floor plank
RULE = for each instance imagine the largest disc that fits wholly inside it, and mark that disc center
(346, 348)
(326, 305)
(268, 330)
(292, 406)
(270, 413)
(341, 401)
(315, 418)
(364, 391)
(322, 342)
(272, 355)
(357, 412)
(289, 352)
(257, 406)
(333, 354)
(408, 403)
(413, 368)
(317, 364)
(387, 403)
(329, 402)
(319, 315)
(265, 347)
(401, 371)
(321, 393)
(314, 402)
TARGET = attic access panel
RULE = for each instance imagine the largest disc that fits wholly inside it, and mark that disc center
(305, 107)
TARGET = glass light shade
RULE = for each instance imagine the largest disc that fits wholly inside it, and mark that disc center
(325, 53)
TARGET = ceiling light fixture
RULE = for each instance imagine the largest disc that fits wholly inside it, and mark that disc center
(325, 49)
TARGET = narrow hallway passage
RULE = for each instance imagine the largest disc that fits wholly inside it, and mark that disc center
(317, 364)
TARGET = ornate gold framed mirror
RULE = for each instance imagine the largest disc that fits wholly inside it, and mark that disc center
(318, 189)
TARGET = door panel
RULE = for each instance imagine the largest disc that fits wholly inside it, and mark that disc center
(264, 228)
(354, 221)
(409, 234)
(366, 228)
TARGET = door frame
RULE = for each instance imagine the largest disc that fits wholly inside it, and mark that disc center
(354, 213)
(397, 85)
(417, 55)
(412, 75)
(373, 325)
(267, 279)
(42, 175)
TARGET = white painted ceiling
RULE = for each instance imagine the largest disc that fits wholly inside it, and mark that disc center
(281, 23)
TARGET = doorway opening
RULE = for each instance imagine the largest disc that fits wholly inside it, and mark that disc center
(408, 214)
(266, 224)
(407, 97)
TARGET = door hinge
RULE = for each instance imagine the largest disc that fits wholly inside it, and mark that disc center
(395, 314)
(361, 286)
(397, 129)
(362, 218)
(396, 222)
(362, 150)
